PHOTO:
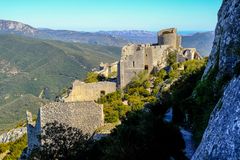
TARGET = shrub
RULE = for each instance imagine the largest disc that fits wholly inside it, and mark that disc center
(110, 115)
(172, 58)
(16, 148)
(128, 140)
(62, 142)
(92, 77)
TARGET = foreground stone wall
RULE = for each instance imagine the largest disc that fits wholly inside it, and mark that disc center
(87, 116)
(89, 91)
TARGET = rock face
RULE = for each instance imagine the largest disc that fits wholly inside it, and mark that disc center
(16, 27)
(221, 139)
(13, 135)
(226, 47)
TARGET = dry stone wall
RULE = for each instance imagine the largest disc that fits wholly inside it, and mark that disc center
(86, 116)
(89, 91)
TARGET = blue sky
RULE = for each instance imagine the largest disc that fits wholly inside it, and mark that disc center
(94, 15)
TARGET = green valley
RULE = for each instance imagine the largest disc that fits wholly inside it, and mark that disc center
(31, 68)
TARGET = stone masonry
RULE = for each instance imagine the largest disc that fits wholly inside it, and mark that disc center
(169, 37)
(136, 58)
(89, 91)
(87, 116)
(107, 70)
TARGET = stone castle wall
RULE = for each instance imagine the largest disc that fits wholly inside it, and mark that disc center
(137, 58)
(86, 116)
(188, 54)
(89, 91)
(107, 70)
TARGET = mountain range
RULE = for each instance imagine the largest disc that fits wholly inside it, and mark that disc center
(202, 41)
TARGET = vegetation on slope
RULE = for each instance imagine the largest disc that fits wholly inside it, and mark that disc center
(42, 68)
(15, 111)
(141, 107)
(14, 150)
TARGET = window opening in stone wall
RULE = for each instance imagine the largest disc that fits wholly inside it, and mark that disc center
(146, 67)
(133, 63)
(102, 93)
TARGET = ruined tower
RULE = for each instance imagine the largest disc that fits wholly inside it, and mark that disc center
(169, 37)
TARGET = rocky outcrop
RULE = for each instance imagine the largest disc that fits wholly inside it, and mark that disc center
(226, 47)
(221, 139)
(13, 135)
(16, 27)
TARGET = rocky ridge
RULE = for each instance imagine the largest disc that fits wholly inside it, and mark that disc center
(221, 139)
(13, 135)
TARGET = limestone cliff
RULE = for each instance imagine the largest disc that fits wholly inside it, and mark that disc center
(221, 139)
(226, 46)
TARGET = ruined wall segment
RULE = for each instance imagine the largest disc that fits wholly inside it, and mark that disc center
(86, 116)
(188, 54)
(33, 132)
(89, 91)
(106, 69)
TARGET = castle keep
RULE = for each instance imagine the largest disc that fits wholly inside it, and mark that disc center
(136, 58)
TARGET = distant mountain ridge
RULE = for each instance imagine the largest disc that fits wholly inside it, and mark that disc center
(201, 41)
(18, 28)
(135, 36)
(14, 27)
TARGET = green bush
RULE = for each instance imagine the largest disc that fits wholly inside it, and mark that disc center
(92, 77)
(135, 102)
(172, 58)
(4, 147)
(110, 115)
(128, 140)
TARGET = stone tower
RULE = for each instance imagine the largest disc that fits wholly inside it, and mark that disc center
(169, 37)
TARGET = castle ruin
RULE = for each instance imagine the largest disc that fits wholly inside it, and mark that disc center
(136, 58)
(79, 109)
